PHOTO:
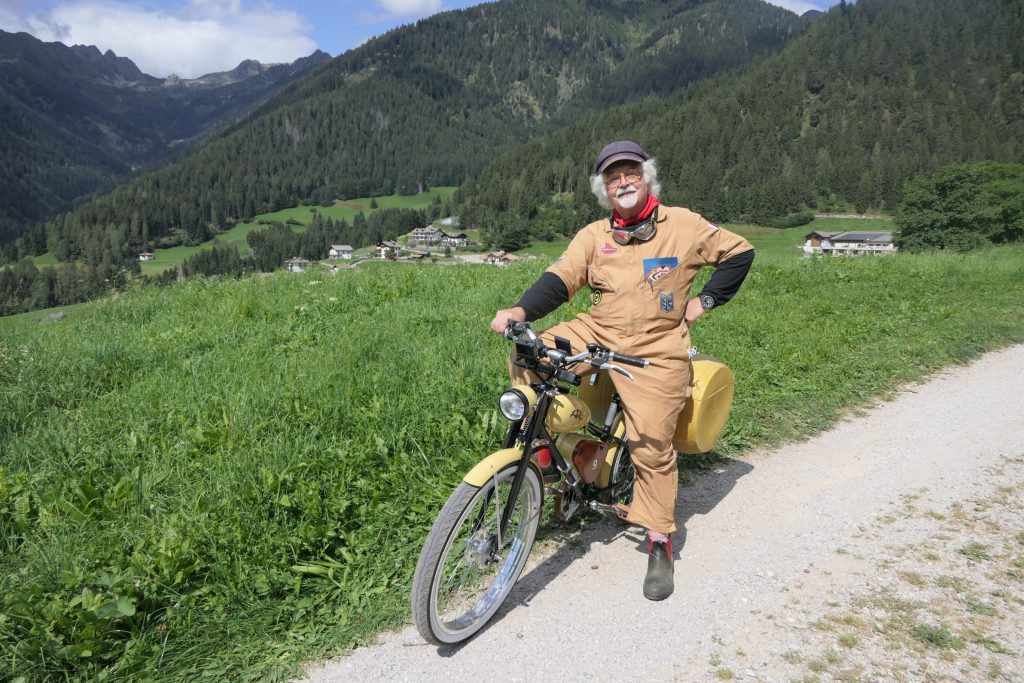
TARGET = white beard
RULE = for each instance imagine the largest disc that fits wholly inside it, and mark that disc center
(628, 199)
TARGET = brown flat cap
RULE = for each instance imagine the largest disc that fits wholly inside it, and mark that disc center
(618, 151)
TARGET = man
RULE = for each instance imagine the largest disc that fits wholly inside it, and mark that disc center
(640, 264)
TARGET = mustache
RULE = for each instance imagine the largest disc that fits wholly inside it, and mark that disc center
(622, 191)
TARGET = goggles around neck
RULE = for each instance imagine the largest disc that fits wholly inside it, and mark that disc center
(643, 231)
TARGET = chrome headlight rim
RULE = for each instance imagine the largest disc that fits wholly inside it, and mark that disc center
(513, 405)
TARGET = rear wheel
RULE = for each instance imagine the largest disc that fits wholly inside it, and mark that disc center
(623, 474)
(465, 570)
(620, 485)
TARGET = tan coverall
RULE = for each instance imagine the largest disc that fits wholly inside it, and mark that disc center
(640, 291)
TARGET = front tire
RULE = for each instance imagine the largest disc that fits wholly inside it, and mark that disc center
(464, 572)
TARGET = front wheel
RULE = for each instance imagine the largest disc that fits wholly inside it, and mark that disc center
(465, 570)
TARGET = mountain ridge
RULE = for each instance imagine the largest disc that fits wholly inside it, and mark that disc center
(77, 121)
(431, 104)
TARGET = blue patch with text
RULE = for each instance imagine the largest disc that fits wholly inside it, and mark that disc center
(668, 302)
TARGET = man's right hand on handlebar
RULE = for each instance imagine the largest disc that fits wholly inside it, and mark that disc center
(502, 317)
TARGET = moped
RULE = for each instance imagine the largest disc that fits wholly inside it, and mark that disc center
(481, 539)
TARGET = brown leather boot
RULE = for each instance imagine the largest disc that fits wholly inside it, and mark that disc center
(658, 583)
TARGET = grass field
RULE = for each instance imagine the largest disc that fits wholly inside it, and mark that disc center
(47, 259)
(349, 208)
(30, 320)
(220, 479)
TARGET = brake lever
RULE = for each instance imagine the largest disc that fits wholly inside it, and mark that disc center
(603, 364)
(621, 371)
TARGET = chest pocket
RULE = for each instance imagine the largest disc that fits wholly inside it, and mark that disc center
(600, 281)
(665, 295)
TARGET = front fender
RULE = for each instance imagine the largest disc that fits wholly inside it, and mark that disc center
(497, 460)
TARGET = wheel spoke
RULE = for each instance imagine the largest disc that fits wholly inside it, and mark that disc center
(475, 569)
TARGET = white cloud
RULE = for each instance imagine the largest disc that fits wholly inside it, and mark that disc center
(16, 17)
(198, 38)
(409, 8)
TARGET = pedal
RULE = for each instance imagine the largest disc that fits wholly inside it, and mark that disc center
(618, 510)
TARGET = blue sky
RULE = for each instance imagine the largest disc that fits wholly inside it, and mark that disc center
(194, 37)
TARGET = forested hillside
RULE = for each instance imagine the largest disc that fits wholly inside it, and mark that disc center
(75, 122)
(423, 105)
(869, 96)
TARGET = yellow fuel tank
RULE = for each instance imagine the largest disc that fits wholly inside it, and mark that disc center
(567, 414)
(567, 444)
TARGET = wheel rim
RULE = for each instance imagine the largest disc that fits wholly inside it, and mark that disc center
(475, 574)
(622, 477)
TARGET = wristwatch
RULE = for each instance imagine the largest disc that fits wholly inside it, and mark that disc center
(707, 301)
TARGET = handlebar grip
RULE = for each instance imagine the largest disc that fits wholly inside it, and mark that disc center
(629, 360)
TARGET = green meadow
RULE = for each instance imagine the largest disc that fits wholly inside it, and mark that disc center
(223, 479)
(47, 259)
(348, 209)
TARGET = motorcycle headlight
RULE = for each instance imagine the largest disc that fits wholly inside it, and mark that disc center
(513, 405)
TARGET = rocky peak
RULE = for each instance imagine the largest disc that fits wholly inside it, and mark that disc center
(247, 69)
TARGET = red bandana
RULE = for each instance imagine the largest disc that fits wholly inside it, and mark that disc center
(620, 222)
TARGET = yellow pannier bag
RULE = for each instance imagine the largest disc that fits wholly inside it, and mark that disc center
(704, 415)
(706, 411)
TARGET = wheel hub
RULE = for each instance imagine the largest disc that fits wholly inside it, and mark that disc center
(480, 549)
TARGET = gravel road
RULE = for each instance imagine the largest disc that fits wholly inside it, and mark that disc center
(890, 548)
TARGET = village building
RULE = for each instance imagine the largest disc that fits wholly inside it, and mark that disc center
(427, 235)
(387, 249)
(430, 235)
(500, 258)
(849, 243)
(146, 256)
(296, 265)
(457, 239)
(339, 251)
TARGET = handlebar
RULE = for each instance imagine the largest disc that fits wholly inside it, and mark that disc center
(629, 360)
(533, 354)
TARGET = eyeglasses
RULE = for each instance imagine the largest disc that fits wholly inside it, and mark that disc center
(632, 176)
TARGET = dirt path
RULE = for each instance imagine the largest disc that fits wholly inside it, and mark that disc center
(890, 548)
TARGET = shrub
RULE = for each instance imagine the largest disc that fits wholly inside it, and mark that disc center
(792, 220)
(962, 207)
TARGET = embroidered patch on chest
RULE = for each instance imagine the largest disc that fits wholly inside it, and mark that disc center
(657, 273)
(668, 302)
(609, 248)
(657, 268)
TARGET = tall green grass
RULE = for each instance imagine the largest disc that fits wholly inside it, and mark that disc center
(221, 478)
